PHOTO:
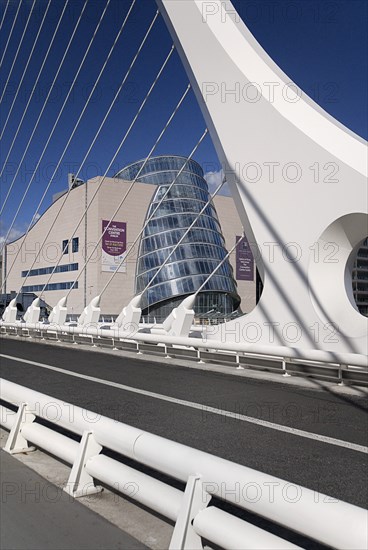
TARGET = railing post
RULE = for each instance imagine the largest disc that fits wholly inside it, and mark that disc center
(195, 500)
(200, 361)
(16, 443)
(80, 483)
(341, 380)
(167, 356)
(284, 368)
(239, 367)
(138, 350)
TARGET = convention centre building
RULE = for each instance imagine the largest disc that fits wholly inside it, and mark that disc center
(146, 249)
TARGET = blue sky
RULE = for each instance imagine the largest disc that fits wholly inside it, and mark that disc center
(320, 44)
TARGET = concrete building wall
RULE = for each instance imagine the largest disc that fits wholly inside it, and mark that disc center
(47, 255)
(102, 207)
(132, 212)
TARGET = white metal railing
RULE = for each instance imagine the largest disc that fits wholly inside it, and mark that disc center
(321, 518)
(341, 368)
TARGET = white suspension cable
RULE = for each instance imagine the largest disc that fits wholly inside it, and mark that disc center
(155, 210)
(120, 88)
(56, 122)
(218, 267)
(11, 32)
(67, 145)
(213, 272)
(4, 14)
(25, 69)
(31, 95)
(185, 234)
(112, 161)
(102, 123)
(19, 47)
(131, 186)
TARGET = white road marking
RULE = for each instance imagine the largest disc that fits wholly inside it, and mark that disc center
(199, 406)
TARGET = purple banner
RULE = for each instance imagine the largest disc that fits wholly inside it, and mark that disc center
(114, 245)
(114, 240)
(244, 260)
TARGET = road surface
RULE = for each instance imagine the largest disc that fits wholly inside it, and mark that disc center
(314, 437)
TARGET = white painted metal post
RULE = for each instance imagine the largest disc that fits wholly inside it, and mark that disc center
(16, 443)
(284, 368)
(239, 367)
(80, 483)
(200, 361)
(195, 500)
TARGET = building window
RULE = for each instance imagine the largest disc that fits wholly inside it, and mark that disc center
(50, 269)
(51, 286)
(65, 247)
(75, 244)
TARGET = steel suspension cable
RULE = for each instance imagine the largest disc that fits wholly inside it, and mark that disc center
(35, 84)
(155, 210)
(212, 273)
(4, 14)
(57, 120)
(45, 102)
(184, 235)
(123, 141)
(131, 185)
(67, 145)
(11, 32)
(18, 49)
(25, 70)
(125, 137)
(218, 267)
(110, 164)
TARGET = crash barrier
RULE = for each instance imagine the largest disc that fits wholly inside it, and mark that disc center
(314, 515)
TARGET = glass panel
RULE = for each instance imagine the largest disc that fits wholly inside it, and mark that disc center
(182, 194)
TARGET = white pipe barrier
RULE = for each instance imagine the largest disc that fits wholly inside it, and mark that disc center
(238, 535)
(7, 417)
(334, 523)
(133, 335)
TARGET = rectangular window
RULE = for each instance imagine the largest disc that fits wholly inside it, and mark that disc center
(49, 270)
(51, 286)
(65, 246)
(75, 244)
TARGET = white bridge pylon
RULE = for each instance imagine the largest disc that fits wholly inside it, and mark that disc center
(297, 176)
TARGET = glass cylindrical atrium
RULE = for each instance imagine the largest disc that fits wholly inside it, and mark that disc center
(199, 253)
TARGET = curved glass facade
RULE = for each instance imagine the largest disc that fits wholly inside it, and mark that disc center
(199, 253)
